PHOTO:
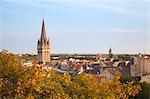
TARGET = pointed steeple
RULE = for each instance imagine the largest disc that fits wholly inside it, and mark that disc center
(110, 53)
(43, 47)
(110, 50)
(43, 32)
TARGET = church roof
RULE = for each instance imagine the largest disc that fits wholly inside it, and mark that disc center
(43, 32)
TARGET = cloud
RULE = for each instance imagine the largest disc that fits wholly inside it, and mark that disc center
(111, 5)
(130, 8)
(122, 30)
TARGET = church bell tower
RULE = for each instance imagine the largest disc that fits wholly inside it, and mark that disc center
(43, 47)
(110, 53)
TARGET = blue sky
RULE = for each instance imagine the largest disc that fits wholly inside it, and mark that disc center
(76, 26)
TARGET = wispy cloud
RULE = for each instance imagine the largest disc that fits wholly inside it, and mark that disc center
(128, 31)
(110, 5)
(133, 31)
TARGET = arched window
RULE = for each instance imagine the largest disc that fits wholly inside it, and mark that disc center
(45, 56)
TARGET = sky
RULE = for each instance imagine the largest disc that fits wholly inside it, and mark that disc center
(76, 26)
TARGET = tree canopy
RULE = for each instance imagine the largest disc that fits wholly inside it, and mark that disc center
(21, 82)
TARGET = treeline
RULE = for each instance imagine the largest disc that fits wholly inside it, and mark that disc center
(17, 82)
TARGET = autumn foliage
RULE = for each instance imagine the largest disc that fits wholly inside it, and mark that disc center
(21, 82)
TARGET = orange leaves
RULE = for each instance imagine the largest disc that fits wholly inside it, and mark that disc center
(19, 90)
(33, 82)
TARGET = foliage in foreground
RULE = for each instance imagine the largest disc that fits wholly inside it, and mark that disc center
(33, 82)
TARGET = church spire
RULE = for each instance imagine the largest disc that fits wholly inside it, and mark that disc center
(43, 32)
(110, 53)
(43, 47)
(110, 50)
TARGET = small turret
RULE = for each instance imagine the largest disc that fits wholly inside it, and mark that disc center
(48, 42)
(38, 42)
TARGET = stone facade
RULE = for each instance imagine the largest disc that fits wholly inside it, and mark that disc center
(140, 65)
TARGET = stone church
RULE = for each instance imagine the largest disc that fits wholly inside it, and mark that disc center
(43, 47)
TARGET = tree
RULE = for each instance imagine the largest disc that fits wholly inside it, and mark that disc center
(10, 71)
(21, 82)
(100, 88)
